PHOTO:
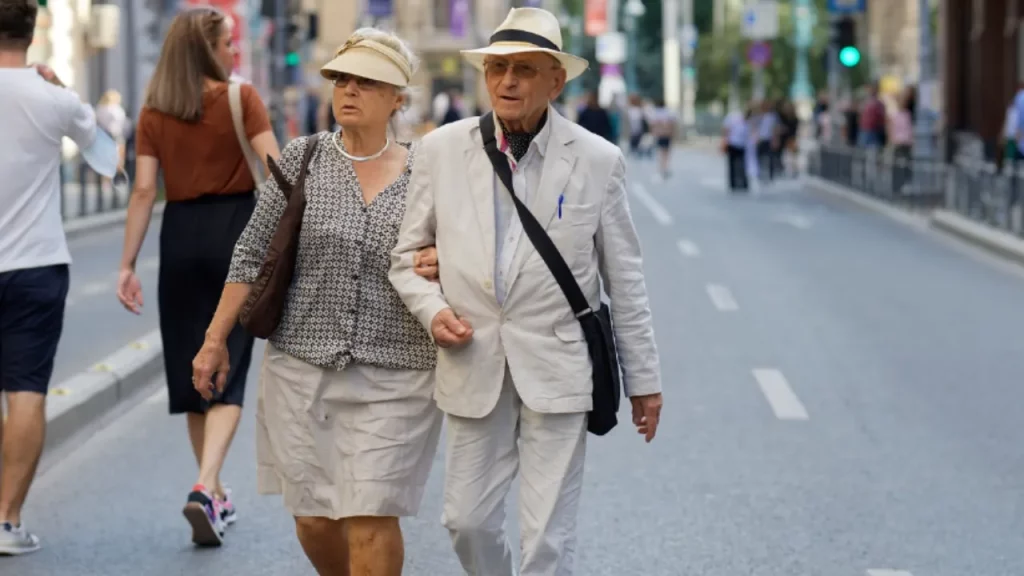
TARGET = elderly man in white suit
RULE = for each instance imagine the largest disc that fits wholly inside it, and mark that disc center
(514, 375)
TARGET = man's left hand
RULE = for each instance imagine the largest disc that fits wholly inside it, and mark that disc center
(646, 414)
(425, 263)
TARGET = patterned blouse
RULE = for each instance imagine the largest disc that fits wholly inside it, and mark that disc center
(341, 307)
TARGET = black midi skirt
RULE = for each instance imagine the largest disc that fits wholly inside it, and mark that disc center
(197, 239)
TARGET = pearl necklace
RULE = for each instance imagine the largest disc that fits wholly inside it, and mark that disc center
(337, 144)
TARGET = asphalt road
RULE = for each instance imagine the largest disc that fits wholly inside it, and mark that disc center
(95, 324)
(842, 399)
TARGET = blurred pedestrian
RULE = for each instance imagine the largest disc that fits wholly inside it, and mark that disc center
(735, 134)
(111, 116)
(596, 118)
(638, 125)
(514, 373)
(347, 427)
(186, 129)
(663, 123)
(38, 111)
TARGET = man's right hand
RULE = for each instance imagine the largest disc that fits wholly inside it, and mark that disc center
(450, 330)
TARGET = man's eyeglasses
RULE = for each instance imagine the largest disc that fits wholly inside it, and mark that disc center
(341, 80)
(521, 70)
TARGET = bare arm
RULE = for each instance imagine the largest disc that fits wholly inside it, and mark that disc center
(265, 144)
(140, 210)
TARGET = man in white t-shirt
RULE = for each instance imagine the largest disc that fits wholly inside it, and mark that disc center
(38, 111)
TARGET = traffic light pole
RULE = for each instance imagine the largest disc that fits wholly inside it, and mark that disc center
(833, 85)
(924, 129)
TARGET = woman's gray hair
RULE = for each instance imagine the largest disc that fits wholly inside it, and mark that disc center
(400, 46)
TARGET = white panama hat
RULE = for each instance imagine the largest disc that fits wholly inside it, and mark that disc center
(528, 30)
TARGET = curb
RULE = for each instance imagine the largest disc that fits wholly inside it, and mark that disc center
(996, 241)
(900, 215)
(78, 402)
(80, 226)
(947, 222)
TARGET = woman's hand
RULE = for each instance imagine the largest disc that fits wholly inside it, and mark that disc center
(129, 290)
(212, 359)
(425, 263)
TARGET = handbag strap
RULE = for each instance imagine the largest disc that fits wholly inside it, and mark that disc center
(534, 231)
(300, 182)
(238, 120)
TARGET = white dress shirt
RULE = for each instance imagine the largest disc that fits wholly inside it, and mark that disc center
(508, 229)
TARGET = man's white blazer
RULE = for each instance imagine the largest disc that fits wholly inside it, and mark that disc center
(450, 204)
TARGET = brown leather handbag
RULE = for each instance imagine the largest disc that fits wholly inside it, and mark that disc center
(262, 310)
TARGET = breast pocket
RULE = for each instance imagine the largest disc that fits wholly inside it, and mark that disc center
(575, 228)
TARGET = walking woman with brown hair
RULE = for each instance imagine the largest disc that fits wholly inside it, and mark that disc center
(186, 129)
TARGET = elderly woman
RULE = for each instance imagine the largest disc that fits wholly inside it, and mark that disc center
(347, 426)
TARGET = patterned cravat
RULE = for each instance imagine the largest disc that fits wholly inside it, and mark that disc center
(519, 142)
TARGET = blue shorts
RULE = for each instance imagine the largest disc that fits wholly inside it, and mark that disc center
(31, 321)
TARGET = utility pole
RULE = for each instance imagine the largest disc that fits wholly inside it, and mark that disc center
(924, 147)
(670, 52)
(688, 84)
(279, 80)
(801, 91)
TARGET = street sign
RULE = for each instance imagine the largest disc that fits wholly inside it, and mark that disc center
(610, 48)
(847, 6)
(760, 20)
(759, 54)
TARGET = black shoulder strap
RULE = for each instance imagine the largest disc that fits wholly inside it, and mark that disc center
(279, 177)
(534, 231)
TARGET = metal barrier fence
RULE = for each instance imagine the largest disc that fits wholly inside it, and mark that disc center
(86, 193)
(886, 175)
(969, 185)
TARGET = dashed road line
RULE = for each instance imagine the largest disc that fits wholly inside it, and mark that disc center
(150, 263)
(657, 210)
(722, 298)
(795, 220)
(688, 248)
(782, 399)
(887, 572)
(95, 288)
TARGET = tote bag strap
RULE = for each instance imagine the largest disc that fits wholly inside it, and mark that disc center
(237, 118)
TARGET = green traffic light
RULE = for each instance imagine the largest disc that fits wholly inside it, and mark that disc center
(292, 59)
(849, 56)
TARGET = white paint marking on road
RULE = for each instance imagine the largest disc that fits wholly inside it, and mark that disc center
(795, 220)
(722, 298)
(887, 572)
(94, 288)
(150, 263)
(689, 249)
(69, 301)
(657, 210)
(780, 396)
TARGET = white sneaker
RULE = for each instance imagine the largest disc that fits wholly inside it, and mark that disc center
(15, 540)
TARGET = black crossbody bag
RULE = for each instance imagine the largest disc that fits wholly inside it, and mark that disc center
(597, 325)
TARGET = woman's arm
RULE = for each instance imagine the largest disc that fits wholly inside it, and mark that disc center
(265, 145)
(140, 210)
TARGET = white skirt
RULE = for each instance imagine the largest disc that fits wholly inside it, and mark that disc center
(337, 444)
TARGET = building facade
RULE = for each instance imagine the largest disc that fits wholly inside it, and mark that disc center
(983, 66)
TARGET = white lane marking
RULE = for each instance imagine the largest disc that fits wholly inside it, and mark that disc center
(150, 263)
(887, 572)
(722, 298)
(657, 210)
(795, 220)
(780, 396)
(688, 248)
(94, 288)
(69, 301)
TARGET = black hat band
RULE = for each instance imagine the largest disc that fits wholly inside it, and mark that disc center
(525, 37)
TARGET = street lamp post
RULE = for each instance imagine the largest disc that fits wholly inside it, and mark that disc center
(800, 91)
(634, 11)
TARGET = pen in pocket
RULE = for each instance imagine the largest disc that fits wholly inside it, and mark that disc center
(561, 198)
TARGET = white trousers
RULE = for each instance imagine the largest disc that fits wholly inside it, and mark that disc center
(482, 459)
